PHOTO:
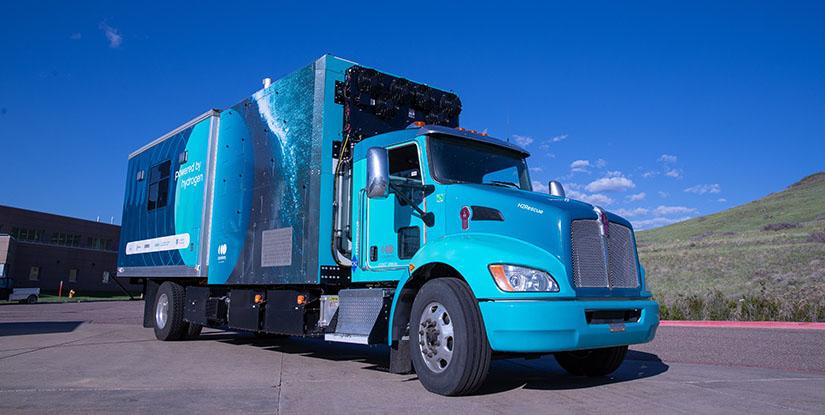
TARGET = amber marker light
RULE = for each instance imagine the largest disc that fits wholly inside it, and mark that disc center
(412, 267)
(302, 300)
(460, 129)
(259, 299)
(419, 123)
(501, 279)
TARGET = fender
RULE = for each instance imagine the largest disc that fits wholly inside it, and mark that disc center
(470, 254)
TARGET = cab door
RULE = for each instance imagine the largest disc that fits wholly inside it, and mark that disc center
(394, 230)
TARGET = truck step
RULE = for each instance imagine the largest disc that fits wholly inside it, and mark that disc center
(362, 316)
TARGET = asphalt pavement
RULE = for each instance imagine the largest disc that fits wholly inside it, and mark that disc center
(90, 358)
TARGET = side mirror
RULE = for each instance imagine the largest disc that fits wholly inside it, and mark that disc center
(378, 173)
(555, 188)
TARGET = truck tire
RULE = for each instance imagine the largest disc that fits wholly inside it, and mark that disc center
(192, 331)
(32, 299)
(448, 343)
(592, 362)
(168, 321)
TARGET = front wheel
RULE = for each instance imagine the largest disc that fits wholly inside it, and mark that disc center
(448, 343)
(592, 362)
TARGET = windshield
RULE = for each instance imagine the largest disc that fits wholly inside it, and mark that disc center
(464, 161)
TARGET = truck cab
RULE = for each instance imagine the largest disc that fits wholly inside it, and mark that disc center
(545, 272)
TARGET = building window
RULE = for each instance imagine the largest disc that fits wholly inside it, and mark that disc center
(27, 234)
(62, 238)
(105, 277)
(72, 275)
(34, 273)
(158, 185)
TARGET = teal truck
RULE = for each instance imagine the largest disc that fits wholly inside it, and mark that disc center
(348, 204)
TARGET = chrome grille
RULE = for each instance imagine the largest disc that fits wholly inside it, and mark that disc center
(622, 257)
(590, 267)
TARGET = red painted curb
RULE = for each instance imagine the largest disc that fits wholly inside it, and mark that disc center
(746, 324)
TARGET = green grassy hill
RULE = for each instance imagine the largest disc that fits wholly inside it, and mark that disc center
(761, 260)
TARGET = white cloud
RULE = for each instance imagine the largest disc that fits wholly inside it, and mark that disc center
(115, 38)
(632, 212)
(540, 187)
(655, 222)
(76, 36)
(558, 138)
(535, 168)
(674, 210)
(594, 199)
(614, 173)
(666, 158)
(600, 163)
(650, 174)
(521, 140)
(637, 196)
(664, 195)
(610, 184)
(580, 166)
(674, 173)
(722, 200)
(704, 188)
(546, 144)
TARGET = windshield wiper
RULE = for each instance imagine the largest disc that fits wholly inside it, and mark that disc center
(503, 184)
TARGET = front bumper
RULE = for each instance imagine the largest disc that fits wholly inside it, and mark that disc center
(557, 325)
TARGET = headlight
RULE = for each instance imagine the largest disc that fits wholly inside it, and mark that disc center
(514, 278)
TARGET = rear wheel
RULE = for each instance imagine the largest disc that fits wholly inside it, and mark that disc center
(169, 324)
(448, 343)
(32, 299)
(592, 362)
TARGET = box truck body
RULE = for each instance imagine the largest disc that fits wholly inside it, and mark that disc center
(347, 203)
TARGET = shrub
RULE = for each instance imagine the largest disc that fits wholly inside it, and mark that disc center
(778, 226)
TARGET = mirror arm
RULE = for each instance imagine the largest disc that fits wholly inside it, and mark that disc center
(427, 217)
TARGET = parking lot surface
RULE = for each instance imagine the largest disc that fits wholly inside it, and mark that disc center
(90, 358)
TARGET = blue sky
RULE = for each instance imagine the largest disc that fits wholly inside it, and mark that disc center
(657, 111)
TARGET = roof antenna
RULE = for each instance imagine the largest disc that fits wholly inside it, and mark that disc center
(508, 113)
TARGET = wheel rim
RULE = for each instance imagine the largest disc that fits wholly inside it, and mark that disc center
(435, 337)
(162, 311)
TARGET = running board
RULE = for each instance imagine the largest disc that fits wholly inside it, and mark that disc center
(346, 338)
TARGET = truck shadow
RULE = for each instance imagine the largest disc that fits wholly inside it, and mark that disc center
(545, 374)
(505, 374)
(38, 327)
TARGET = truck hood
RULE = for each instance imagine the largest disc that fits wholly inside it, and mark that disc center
(540, 219)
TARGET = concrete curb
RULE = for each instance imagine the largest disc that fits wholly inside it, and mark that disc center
(746, 324)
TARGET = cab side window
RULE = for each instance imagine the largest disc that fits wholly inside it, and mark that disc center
(404, 164)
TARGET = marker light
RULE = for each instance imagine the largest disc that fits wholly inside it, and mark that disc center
(259, 299)
(301, 300)
(419, 123)
(460, 129)
(513, 278)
